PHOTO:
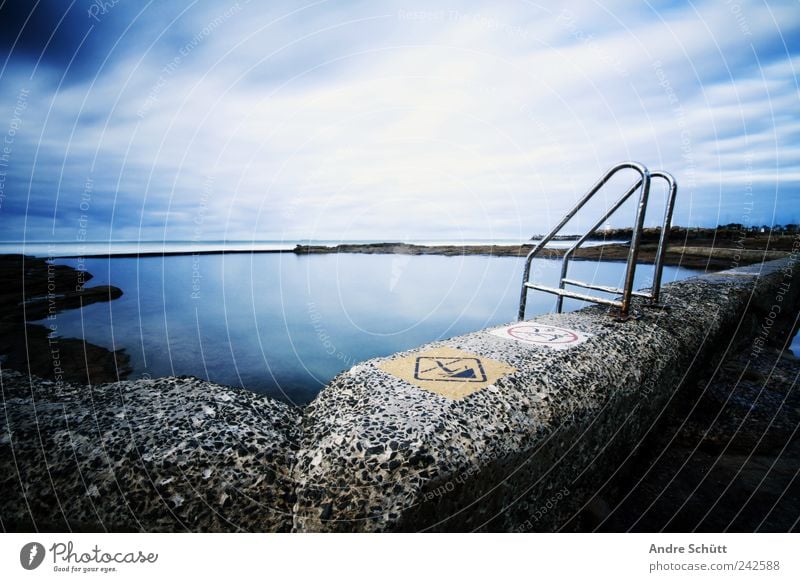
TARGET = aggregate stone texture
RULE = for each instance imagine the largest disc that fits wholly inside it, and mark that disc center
(166, 455)
(381, 454)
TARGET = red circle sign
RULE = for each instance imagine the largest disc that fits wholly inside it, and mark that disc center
(542, 334)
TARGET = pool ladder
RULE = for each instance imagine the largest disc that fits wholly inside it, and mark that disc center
(622, 304)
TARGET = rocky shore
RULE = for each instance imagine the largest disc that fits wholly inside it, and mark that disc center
(709, 258)
(37, 290)
(723, 458)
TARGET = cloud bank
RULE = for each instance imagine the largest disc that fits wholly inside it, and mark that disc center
(387, 120)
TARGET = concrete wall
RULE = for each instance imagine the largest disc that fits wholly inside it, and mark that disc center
(518, 450)
(380, 454)
(167, 455)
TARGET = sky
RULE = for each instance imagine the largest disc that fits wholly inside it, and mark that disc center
(352, 120)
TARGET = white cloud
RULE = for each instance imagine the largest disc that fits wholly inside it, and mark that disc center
(373, 120)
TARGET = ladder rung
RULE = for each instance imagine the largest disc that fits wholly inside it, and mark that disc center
(574, 295)
(615, 290)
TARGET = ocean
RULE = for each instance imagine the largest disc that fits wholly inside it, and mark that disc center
(285, 325)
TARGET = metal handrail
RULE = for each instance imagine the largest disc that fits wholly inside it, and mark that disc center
(568, 254)
(666, 227)
(672, 191)
(627, 292)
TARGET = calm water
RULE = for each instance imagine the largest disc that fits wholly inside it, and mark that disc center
(284, 324)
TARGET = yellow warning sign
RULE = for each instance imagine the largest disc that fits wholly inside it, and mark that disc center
(447, 371)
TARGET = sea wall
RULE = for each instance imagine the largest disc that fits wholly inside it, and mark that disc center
(550, 424)
(506, 429)
(163, 455)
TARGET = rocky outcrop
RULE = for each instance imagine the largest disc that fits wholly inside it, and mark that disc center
(36, 289)
(724, 457)
(696, 257)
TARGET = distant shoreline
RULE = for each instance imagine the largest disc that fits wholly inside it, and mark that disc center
(697, 248)
(697, 254)
(130, 255)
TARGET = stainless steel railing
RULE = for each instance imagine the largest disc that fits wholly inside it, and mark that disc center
(626, 292)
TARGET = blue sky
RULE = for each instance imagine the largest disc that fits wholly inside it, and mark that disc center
(391, 120)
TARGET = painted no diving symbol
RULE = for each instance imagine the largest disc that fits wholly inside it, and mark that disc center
(449, 370)
(537, 334)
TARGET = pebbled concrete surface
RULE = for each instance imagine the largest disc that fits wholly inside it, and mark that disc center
(169, 455)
